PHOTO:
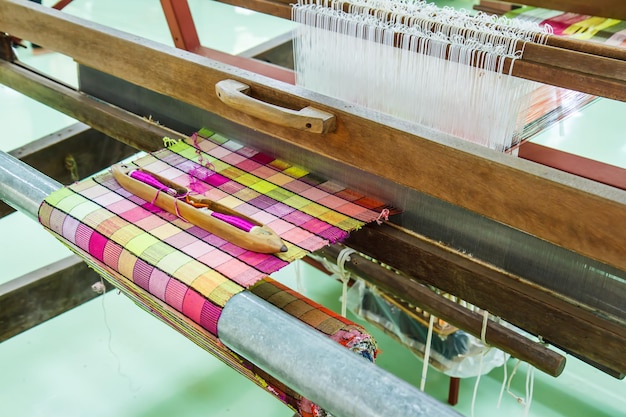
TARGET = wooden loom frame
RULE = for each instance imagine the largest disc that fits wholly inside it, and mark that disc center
(107, 118)
(184, 34)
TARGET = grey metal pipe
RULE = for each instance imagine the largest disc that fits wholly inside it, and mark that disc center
(333, 377)
(23, 187)
(338, 380)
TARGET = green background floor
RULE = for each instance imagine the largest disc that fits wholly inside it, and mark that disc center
(109, 358)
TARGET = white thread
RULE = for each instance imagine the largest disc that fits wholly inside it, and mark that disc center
(483, 332)
(110, 339)
(480, 103)
(530, 382)
(429, 338)
(503, 383)
(299, 283)
(344, 276)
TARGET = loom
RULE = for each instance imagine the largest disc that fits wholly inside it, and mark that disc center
(523, 238)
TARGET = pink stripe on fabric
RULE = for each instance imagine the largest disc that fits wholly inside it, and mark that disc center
(249, 277)
(192, 305)
(82, 237)
(175, 294)
(135, 214)
(233, 269)
(141, 274)
(316, 226)
(209, 317)
(111, 255)
(70, 225)
(121, 206)
(97, 243)
(214, 259)
(57, 220)
(158, 283)
(197, 249)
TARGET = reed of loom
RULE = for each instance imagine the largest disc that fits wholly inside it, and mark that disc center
(583, 66)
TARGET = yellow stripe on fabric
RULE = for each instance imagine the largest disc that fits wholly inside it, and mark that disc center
(263, 186)
(84, 209)
(350, 224)
(95, 218)
(178, 146)
(68, 201)
(315, 210)
(295, 172)
(334, 218)
(156, 252)
(248, 180)
(232, 173)
(172, 262)
(126, 264)
(190, 271)
(140, 243)
(216, 287)
(189, 153)
(218, 165)
(165, 230)
(296, 201)
(230, 202)
(125, 234)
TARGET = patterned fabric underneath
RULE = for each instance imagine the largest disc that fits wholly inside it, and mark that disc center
(185, 275)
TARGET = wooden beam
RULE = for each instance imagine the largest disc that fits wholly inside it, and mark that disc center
(401, 286)
(535, 309)
(135, 131)
(54, 154)
(558, 208)
(278, 8)
(615, 9)
(45, 293)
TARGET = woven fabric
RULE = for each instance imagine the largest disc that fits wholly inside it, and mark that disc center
(183, 265)
(183, 274)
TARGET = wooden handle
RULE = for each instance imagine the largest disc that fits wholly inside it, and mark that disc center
(233, 94)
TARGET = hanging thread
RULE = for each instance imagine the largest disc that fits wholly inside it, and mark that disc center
(429, 339)
(439, 68)
(483, 332)
(344, 276)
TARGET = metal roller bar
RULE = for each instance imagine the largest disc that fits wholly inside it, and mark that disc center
(23, 187)
(341, 382)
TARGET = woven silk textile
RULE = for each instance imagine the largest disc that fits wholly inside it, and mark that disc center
(183, 265)
(185, 275)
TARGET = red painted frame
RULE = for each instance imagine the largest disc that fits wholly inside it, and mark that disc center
(185, 37)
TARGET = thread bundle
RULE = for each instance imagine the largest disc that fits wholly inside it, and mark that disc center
(439, 68)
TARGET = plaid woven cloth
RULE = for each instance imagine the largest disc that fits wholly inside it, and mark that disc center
(185, 275)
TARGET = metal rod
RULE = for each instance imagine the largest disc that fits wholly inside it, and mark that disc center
(341, 382)
(322, 370)
(23, 187)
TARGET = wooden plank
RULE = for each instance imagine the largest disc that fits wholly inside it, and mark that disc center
(45, 293)
(559, 208)
(615, 9)
(535, 309)
(417, 294)
(577, 165)
(278, 8)
(137, 132)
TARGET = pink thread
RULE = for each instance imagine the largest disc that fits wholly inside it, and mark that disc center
(201, 174)
(384, 215)
(155, 198)
(238, 222)
(151, 181)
